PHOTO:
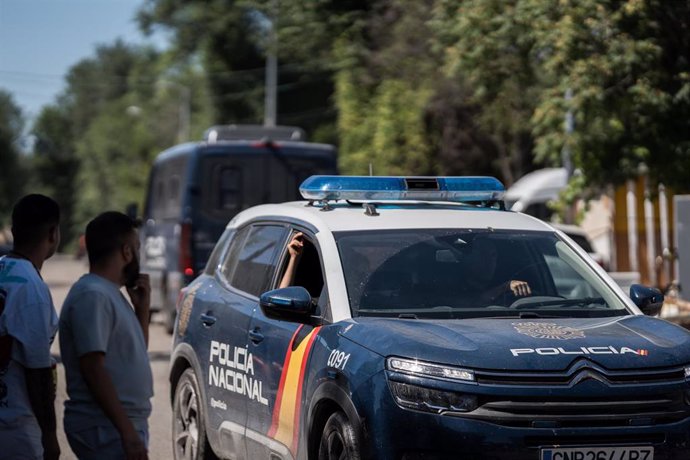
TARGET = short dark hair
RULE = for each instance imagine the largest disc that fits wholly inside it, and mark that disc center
(32, 218)
(106, 233)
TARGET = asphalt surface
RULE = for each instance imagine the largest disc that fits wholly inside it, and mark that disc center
(60, 272)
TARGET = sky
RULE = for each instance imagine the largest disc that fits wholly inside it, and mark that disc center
(41, 39)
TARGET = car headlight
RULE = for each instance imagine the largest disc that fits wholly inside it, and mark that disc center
(687, 372)
(422, 369)
(430, 399)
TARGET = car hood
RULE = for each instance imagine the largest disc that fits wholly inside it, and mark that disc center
(534, 344)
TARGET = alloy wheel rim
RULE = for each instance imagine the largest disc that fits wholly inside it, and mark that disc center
(186, 423)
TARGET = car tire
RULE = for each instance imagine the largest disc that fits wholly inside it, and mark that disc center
(189, 426)
(339, 440)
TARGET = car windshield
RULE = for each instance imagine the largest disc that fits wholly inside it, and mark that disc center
(443, 273)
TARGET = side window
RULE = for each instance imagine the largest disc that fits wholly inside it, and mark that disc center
(214, 258)
(229, 264)
(307, 271)
(257, 258)
(569, 284)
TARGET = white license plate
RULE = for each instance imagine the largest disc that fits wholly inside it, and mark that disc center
(598, 453)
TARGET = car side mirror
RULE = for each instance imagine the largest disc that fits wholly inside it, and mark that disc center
(648, 299)
(292, 303)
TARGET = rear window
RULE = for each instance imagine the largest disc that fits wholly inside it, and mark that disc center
(234, 178)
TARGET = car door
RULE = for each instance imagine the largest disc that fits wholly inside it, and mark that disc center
(247, 270)
(282, 349)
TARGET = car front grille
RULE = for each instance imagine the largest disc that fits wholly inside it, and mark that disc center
(580, 370)
(667, 403)
(582, 412)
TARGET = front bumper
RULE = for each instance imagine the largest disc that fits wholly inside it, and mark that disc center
(394, 433)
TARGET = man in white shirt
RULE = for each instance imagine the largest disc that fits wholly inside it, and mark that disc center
(28, 323)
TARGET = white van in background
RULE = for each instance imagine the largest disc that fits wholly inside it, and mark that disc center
(532, 192)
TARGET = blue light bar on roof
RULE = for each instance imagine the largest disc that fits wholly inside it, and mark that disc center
(385, 188)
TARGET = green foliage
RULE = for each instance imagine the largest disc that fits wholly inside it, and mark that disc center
(383, 87)
(406, 86)
(627, 65)
(56, 165)
(487, 46)
(13, 173)
(121, 107)
(229, 39)
(116, 154)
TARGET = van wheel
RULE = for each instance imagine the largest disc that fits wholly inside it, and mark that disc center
(339, 440)
(189, 429)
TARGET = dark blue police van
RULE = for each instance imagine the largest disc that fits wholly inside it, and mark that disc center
(195, 188)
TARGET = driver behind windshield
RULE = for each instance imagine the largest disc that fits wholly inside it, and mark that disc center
(480, 271)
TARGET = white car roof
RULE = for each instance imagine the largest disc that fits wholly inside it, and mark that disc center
(345, 217)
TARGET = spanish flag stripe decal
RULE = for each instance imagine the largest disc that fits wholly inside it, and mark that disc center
(285, 421)
(279, 396)
(298, 411)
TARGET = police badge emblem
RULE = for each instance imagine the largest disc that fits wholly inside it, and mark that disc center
(548, 331)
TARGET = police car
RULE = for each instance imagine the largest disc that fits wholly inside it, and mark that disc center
(422, 321)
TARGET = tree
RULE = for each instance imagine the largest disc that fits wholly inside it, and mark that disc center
(55, 165)
(120, 108)
(229, 40)
(384, 83)
(626, 63)
(13, 172)
(487, 46)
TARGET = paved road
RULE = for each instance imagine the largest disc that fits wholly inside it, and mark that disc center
(60, 272)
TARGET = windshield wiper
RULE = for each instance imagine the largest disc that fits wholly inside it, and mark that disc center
(525, 315)
(583, 301)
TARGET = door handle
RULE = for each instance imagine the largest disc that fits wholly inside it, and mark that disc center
(255, 336)
(208, 320)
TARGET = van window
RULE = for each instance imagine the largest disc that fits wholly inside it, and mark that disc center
(166, 197)
(257, 259)
(230, 184)
(539, 210)
(173, 204)
(230, 188)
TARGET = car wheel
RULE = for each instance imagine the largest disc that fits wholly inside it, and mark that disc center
(339, 440)
(189, 429)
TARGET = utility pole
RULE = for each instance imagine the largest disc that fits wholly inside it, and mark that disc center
(271, 102)
(184, 115)
(569, 126)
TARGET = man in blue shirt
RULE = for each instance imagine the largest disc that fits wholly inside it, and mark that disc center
(28, 324)
(103, 342)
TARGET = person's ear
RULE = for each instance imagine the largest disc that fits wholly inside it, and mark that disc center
(127, 252)
(54, 234)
